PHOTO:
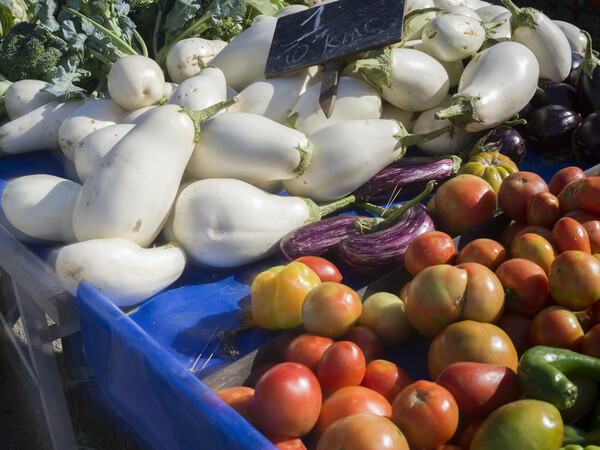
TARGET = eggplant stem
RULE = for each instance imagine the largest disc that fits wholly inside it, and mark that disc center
(520, 17)
(589, 62)
(461, 111)
(414, 139)
(200, 116)
(367, 226)
(316, 212)
(305, 156)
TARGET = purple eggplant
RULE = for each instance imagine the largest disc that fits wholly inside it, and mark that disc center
(586, 139)
(553, 93)
(383, 251)
(318, 238)
(588, 80)
(550, 128)
(576, 59)
(510, 142)
(406, 177)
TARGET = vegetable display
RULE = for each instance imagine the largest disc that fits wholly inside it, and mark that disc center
(181, 155)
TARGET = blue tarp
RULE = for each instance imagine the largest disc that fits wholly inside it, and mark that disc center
(146, 360)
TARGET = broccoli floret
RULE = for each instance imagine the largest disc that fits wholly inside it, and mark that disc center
(29, 51)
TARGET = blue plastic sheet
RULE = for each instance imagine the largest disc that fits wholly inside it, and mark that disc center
(147, 360)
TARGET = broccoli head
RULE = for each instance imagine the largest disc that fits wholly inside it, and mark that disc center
(30, 51)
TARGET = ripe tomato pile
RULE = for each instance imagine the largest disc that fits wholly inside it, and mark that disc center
(481, 306)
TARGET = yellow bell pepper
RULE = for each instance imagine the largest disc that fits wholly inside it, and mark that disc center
(278, 294)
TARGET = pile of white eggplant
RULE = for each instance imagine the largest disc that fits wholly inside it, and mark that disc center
(191, 158)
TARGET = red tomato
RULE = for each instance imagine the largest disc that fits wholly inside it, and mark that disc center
(543, 209)
(568, 234)
(351, 400)
(480, 388)
(591, 342)
(307, 349)
(484, 299)
(574, 279)
(428, 249)
(527, 285)
(468, 340)
(331, 309)
(342, 364)
(563, 177)
(426, 413)
(517, 328)
(587, 194)
(287, 400)
(515, 192)
(239, 398)
(468, 432)
(386, 378)
(363, 431)
(556, 326)
(593, 230)
(325, 269)
(546, 233)
(484, 251)
(581, 216)
(566, 197)
(463, 202)
(507, 236)
(367, 340)
(535, 248)
(385, 313)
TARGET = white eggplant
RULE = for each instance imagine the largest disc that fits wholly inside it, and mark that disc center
(38, 129)
(201, 91)
(576, 38)
(447, 3)
(123, 271)
(544, 38)
(487, 13)
(131, 192)
(289, 9)
(91, 116)
(414, 28)
(41, 206)
(243, 60)
(182, 58)
(248, 147)
(169, 88)
(453, 37)
(409, 79)
(135, 81)
(501, 31)
(275, 98)
(135, 115)
(355, 99)
(406, 118)
(454, 69)
(225, 222)
(495, 85)
(451, 143)
(461, 10)
(24, 96)
(345, 156)
(90, 151)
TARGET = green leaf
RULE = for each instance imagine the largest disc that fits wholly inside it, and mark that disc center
(63, 85)
(182, 12)
(266, 7)
(45, 10)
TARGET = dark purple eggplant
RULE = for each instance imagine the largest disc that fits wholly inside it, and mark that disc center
(383, 251)
(406, 177)
(318, 238)
(550, 128)
(553, 93)
(586, 139)
(510, 141)
(588, 80)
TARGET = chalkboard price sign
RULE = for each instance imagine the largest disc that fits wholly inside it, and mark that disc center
(331, 31)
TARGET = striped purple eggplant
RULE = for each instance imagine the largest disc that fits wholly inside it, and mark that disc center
(318, 238)
(406, 176)
(383, 251)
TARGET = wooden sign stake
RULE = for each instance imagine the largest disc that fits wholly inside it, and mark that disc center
(331, 72)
